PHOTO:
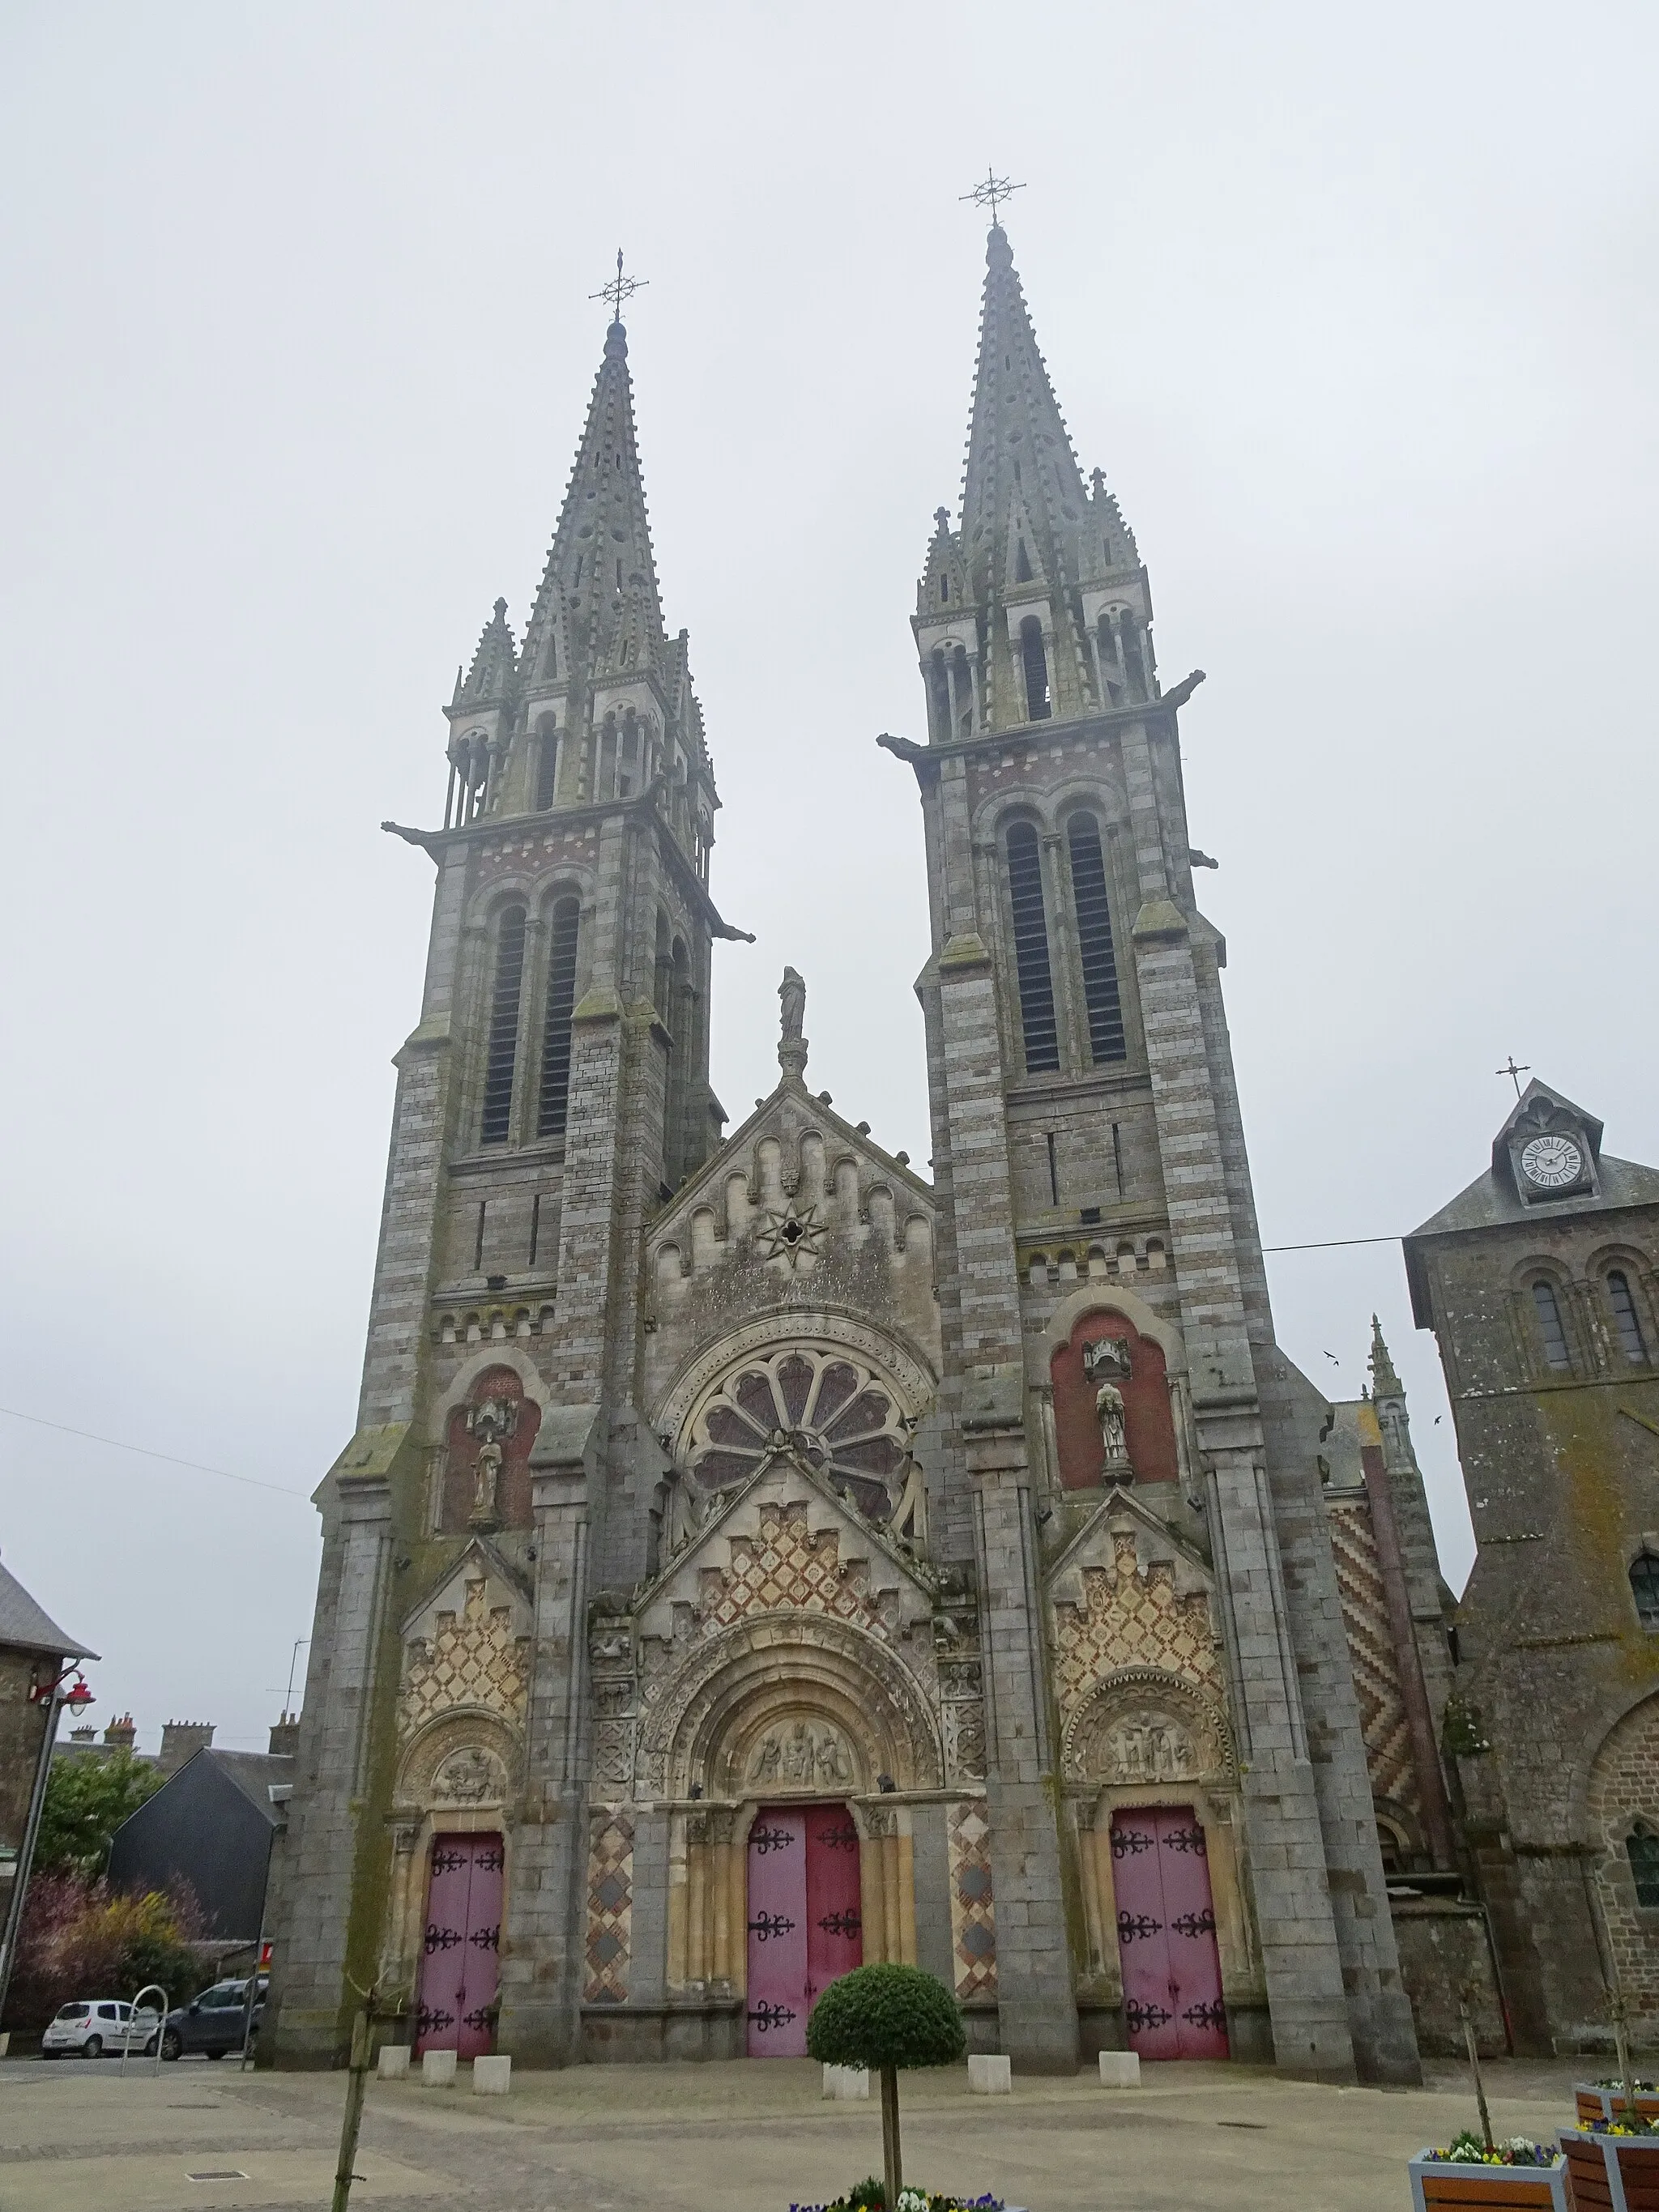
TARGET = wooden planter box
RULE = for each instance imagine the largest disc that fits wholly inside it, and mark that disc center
(1612, 2173)
(1438, 2185)
(1597, 2104)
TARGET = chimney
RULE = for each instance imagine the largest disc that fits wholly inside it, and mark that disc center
(182, 1740)
(88, 1735)
(285, 1736)
(119, 1735)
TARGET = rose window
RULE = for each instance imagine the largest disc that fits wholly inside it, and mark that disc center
(842, 1417)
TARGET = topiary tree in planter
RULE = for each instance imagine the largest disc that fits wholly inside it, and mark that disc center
(886, 2018)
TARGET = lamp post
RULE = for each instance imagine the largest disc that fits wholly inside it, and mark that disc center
(68, 1688)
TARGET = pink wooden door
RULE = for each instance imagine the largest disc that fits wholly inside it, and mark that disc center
(834, 1929)
(460, 1970)
(1172, 2003)
(778, 2003)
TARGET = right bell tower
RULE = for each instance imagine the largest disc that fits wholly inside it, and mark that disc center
(1114, 1403)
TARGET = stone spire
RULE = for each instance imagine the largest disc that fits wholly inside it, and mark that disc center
(1048, 564)
(490, 680)
(1385, 1383)
(597, 604)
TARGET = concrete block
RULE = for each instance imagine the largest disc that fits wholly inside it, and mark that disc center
(437, 2070)
(491, 2077)
(394, 2062)
(846, 2082)
(991, 2076)
(1120, 2069)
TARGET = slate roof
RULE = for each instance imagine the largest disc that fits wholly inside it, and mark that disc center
(1489, 1203)
(252, 1772)
(25, 1627)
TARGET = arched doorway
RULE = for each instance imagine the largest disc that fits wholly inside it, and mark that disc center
(1166, 1933)
(460, 1953)
(805, 1929)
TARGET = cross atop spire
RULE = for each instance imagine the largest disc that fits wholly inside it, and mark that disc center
(619, 289)
(989, 191)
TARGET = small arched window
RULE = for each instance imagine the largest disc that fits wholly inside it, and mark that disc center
(1034, 659)
(1036, 986)
(1134, 658)
(943, 589)
(554, 1103)
(1625, 1319)
(1550, 1330)
(1641, 1850)
(1022, 563)
(1094, 939)
(550, 663)
(1644, 1588)
(502, 1051)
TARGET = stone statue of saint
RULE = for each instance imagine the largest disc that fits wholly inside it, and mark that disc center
(486, 1481)
(1109, 1411)
(791, 1001)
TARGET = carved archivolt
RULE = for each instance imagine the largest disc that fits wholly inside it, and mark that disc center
(820, 1686)
(1142, 1724)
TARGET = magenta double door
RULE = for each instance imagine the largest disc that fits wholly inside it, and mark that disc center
(1166, 1941)
(805, 1928)
(460, 1959)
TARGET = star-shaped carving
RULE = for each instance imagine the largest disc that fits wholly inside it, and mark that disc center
(787, 1236)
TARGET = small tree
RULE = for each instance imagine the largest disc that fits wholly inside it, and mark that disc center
(885, 2018)
(87, 1800)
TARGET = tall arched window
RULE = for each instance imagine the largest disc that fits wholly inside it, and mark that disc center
(1134, 658)
(1094, 939)
(1644, 1588)
(554, 1102)
(1036, 985)
(1625, 1318)
(1641, 1850)
(547, 765)
(1034, 658)
(1549, 1325)
(679, 1075)
(502, 1052)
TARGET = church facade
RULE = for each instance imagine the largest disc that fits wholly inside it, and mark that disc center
(755, 1557)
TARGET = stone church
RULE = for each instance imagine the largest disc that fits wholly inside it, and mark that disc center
(755, 1556)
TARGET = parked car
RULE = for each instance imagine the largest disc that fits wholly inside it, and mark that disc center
(91, 2026)
(212, 2023)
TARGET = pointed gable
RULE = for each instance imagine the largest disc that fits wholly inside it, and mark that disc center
(492, 678)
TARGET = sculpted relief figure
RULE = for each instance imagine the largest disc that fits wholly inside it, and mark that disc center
(489, 1421)
(1149, 1748)
(803, 1758)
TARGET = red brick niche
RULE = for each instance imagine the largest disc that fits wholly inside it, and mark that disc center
(487, 1464)
(1145, 1404)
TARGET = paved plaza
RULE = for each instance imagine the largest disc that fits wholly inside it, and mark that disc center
(741, 2137)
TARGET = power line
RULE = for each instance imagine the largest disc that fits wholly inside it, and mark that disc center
(144, 1452)
(1330, 1243)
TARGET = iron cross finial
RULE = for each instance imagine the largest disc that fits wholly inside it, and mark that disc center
(619, 289)
(992, 189)
(1514, 1073)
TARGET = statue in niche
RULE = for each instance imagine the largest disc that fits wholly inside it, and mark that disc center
(1109, 1411)
(489, 1421)
(792, 1004)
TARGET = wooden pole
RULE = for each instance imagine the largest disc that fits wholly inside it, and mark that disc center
(1474, 2068)
(891, 2163)
(356, 2082)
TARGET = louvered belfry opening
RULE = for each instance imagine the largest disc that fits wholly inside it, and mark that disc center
(503, 1048)
(1094, 938)
(1034, 659)
(555, 1028)
(1036, 985)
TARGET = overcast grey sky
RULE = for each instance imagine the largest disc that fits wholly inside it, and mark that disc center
(1356, 309)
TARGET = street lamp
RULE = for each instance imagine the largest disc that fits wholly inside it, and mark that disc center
(68, 1688)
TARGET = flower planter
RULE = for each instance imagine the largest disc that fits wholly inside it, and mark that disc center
(1440, 2186)
(1594, 2102)
(1612, 2173)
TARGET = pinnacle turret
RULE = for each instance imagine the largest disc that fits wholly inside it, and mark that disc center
(1385, 1383)
(490, 680)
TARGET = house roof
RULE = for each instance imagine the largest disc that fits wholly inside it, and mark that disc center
(1489, 1201)
(252, 1772)
(25, 1627)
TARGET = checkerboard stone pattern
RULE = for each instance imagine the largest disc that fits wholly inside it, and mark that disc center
(473, 1659)
(609, 1910)
(973, 1908)
(1371, 1650)
(1132, 1620)
(785, 1564)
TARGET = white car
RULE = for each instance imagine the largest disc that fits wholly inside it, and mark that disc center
(89, 2027)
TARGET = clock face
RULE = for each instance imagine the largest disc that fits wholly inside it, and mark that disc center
(1552, 1162)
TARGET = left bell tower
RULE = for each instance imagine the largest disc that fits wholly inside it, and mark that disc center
(554, 1091)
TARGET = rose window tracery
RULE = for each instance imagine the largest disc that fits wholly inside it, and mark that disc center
(841, 1417)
